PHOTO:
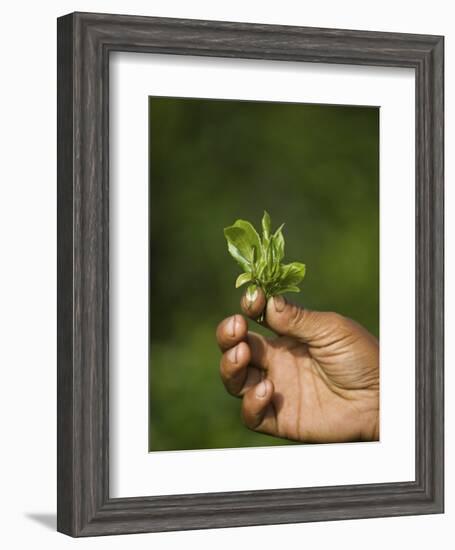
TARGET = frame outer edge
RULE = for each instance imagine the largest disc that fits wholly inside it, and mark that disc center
(430, 276)
(437, 318)
(66, 445)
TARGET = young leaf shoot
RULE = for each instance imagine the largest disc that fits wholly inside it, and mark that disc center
(260, 258)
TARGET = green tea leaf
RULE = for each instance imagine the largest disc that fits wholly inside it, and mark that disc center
(269, 260)
(252, 236)
(261, 264)
(243, 262)
(239, 247)
(284, 289)
(276, 258)
(292, 274)
(278, 239)
(266, 225)
(243, 278)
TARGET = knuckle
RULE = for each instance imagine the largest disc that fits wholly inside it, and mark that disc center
(227, 373)
(222, 369)
(221, 332)
(244, 415)
(247, 413)
(296, 315)
(335, 318)
(232, 378)
(226, 370)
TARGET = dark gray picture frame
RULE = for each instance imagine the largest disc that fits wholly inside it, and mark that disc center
(85, 41)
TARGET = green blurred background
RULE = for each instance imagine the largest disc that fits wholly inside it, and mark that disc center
(314, 167)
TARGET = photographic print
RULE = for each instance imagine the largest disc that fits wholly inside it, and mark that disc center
(264, 273)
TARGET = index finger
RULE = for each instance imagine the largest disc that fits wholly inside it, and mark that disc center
(231, 331)
(253, 303)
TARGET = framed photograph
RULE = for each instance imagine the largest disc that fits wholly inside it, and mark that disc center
(250, 274)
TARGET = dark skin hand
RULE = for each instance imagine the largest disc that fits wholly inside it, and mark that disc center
(317, 381)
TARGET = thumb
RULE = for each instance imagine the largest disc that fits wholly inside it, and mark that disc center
(287, 319)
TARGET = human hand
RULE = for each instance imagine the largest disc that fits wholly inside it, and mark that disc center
(316, 382)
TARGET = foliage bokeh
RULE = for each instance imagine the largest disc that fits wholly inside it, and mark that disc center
(314, 167)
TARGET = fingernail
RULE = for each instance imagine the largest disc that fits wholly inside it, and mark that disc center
(251, 297)
(231, 326)
(279, 302)
(261, 390)
(232, 355)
